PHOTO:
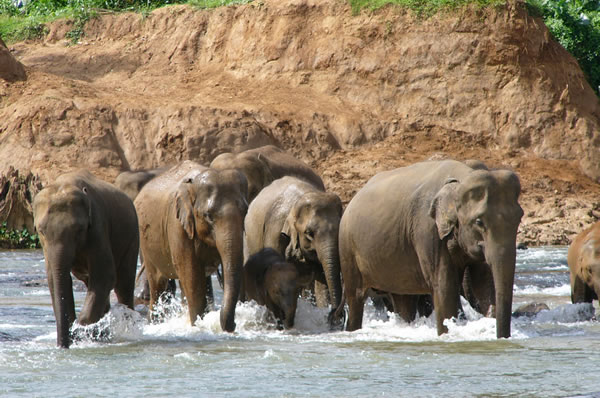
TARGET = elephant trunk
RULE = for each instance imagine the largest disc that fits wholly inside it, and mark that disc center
(229, 245)
(58, 269)
(289, 310)
(328, 254)
(502, 259)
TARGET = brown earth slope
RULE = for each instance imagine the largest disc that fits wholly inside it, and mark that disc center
(352, 95)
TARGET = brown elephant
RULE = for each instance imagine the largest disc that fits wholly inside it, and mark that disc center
(89, 228)
(263, 165)
(131, 182)
(584, 265)
(191, 219)
(274, 283)
(414, 230)
(301, 222)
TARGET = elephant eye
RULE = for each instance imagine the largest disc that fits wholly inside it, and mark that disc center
(309, 233)
(479, 223)
(208, 217)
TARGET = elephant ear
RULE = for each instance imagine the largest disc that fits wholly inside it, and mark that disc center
(184, 208)
(443, 208)
(267, 174)
(289, 234)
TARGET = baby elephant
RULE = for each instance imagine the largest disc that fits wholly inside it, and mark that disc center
(584, 265)
(275, 283)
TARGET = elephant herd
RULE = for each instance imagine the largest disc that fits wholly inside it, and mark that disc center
(414, 236)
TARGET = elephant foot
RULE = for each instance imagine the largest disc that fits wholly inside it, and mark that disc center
(337, 319)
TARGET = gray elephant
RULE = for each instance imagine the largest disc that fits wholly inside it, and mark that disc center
(414, 230)
(191, 219)
(584, 265)
(131, 182)
(274, 283)
(263, 165)
(89, 228)
(301, 222)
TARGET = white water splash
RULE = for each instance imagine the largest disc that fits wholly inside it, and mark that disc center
(530, 290)
(568, 313)
(252, 320)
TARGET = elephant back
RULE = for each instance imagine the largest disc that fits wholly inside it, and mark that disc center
(284, 164)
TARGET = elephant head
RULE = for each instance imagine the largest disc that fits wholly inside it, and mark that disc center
(63, 217)
(480, 215)
(255, 169)
(311, 230)
(283, 284)
(211, 207)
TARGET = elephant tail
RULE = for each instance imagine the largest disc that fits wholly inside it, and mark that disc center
(140, 272)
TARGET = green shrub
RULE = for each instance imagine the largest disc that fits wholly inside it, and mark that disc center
(575, 24)
(17, 239)
(423, 8)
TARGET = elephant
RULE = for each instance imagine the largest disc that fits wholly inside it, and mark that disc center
(413, 231)
(89, 228)
(131, 182)
(584, 265)
(274, 283)
(191, 219)
(263, 165)
(301, 222)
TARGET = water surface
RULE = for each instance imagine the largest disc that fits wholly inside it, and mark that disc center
(553, 354)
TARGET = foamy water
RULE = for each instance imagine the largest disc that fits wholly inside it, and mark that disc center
(125, 355)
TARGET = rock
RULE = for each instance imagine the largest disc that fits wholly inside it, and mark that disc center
(530, 310)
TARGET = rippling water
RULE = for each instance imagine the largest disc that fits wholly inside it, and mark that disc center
(553, 354)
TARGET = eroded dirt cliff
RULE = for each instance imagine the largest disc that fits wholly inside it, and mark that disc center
(351, 95)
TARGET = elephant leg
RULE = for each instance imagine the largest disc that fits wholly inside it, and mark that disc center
(172, 288)
(193, 286)
(157, 286)
(405, 305)
(478, 286)
(446, 294)
(355, 299)
(210, 295)
(95, 306)
(125, 283)
(580, 292)
(424, 305)
(354, 293)
(382, 302)
(101, 280)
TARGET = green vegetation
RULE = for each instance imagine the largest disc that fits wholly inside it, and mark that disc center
(423, 8)
(17, 239)
(27, 22)
(576, 25)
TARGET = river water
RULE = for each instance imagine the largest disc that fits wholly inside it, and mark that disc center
(553, 354)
